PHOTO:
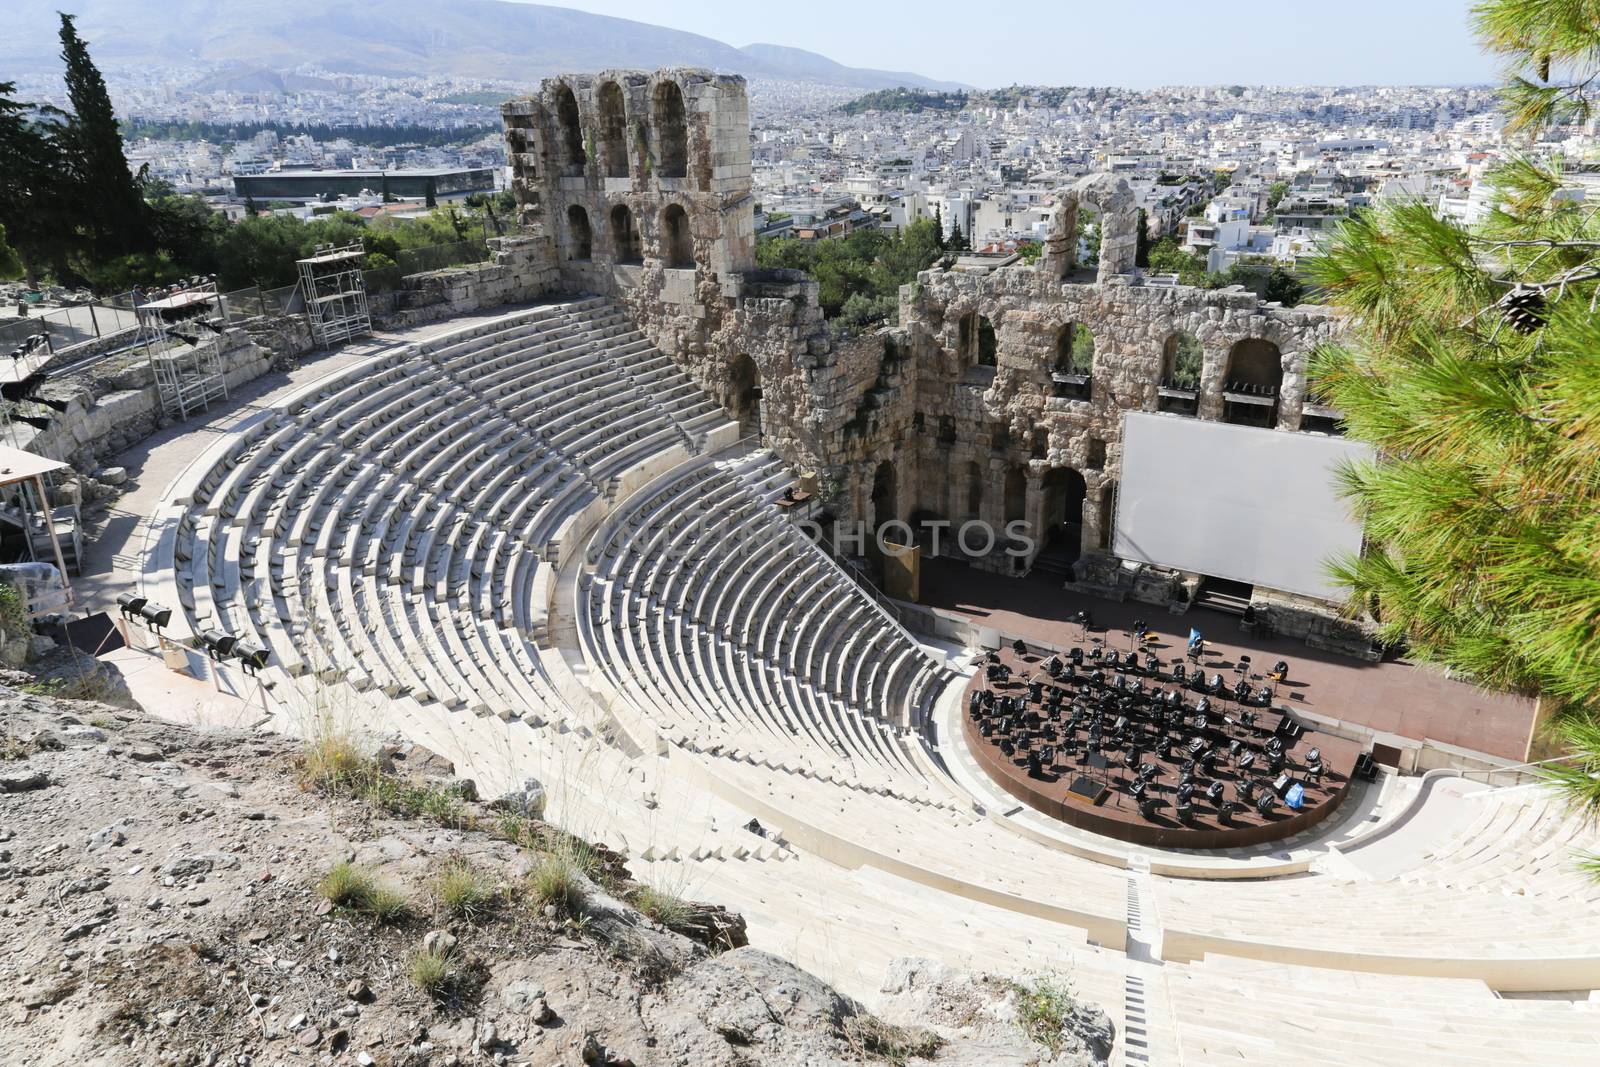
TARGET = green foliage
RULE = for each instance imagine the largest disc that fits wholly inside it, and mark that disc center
(435, 972)
(1275, 194)
(10, 261)
(14, 621)
(660, 906)
(555, 881)
(102, 189)
(1483, 512)
(868, 264)
(1044, 1003)
(903, 99)
(33, 207)
(1551, 58)
(1167, 257)
(347, 885)
(464, 892)
(1030, 251)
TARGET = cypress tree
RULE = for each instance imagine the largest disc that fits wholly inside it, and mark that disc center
(32, 203)
(108, 195)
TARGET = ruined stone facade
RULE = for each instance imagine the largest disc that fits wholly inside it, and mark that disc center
(1000, 393)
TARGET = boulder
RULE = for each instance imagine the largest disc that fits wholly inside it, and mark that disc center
(528, 801)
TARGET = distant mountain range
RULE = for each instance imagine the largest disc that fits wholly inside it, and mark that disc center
(454, 38)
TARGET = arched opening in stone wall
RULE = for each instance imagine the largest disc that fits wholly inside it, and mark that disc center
(1182, 359)
(1016, 503)
(1251, 383)
(883, 495)
(613, 131)
(573, 156)
(672, 132)
(580, 237)
(677, 247)
(976, 340)
(1073, 374)
(1064, 496)
(625, 236)
(974, 491)
(744, 389)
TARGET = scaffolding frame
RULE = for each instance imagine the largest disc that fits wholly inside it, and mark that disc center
(187, 378)
(27, 472)
(335, 293)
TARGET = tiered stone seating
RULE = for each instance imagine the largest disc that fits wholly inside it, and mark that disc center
(397, 526)
(1523, 842)
(402, 527)
(734, 635)
(1460, 928)
(1233, 1011)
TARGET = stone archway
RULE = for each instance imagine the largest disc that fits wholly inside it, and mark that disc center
(573, 157)
(677, 247)
(1252, 382)
(672, 131)
(976, 341)
(613, 131)
(1064, 495)
(1119, 228)
(625, 236)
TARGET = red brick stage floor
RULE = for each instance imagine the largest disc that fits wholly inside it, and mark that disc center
(1394, 696)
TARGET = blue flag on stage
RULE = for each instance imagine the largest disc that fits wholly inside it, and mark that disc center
(1194, 635)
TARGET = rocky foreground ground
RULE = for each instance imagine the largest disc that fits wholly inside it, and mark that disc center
(175, 896)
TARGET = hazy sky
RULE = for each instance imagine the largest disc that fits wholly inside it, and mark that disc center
(1135, 43)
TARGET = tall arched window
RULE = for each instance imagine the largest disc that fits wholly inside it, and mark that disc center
(677, 247)
(976, 340)
(672, 132)
(573, 156)
(1251, 383)
(1182, 360)
(1074, 362)
(613, 131)
(625, 236)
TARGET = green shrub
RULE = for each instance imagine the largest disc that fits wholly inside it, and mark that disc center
(434, 971)
(464, 891)
(347, 885)
(556, 881)
(1043, 1004)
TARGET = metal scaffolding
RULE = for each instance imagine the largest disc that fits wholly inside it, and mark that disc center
(181, 334)
(335, 293)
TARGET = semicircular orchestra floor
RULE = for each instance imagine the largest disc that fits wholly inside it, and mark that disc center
(1135, 747)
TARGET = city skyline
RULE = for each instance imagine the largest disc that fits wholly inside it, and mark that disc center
(1251, 48)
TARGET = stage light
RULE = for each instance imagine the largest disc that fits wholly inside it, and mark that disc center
(156, 616)
(130, 604)
(218, 643)
(252, 654)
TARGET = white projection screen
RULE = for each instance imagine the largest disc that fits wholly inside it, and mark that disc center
(1252, 505)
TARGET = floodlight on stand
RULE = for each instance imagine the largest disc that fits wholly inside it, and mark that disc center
(252, 654)
(130, 604)
(218, 643)
(155, 616)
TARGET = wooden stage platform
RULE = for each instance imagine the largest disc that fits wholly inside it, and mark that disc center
(1394, 696)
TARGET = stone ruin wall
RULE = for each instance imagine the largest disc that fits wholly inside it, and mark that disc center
(835, 409)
